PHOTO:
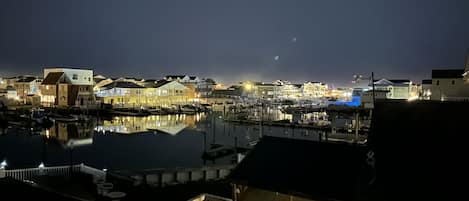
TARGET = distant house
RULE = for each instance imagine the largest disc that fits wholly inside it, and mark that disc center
(449, 85)
(425, 90)
(182, 78)
(27, 87)
(67, 87)
(314, 89)
(10, 93)
(398, 89)
(366, 99)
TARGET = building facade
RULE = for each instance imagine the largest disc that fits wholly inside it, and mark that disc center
(398, 89)
(163, 93)
(449, 85)
(67, 87)
(28, 89)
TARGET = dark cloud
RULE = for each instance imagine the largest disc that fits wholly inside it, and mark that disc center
(232, 40)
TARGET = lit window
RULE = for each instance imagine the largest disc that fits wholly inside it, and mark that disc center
(47, 87)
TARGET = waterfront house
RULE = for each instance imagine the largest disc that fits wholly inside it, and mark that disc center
(122, 94)
(28, 89)
(67, 87)
(182, 78)
(449, 85)
(127, 94)
(314, 89)
(398, 89)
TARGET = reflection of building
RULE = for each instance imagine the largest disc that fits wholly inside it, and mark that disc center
(171, 124)
(67, 87)
(71, 134)
(398, 89)
(127, 94)
(449, 85)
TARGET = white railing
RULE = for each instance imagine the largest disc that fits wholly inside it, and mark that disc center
(29, 173)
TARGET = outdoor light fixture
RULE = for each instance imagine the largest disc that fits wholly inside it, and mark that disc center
(41, 165)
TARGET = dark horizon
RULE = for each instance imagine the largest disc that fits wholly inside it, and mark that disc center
(231, 41)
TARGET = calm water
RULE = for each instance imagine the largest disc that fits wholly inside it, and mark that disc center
(134, 142)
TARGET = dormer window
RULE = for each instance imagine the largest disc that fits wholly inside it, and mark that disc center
(75, 77)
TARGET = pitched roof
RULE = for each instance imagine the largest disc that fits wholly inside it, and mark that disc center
(160, 83)
(122, 84)
(451, 73)
(303, 168)
(426, 81)
(400, 81)
(52, 78)
(26, 79)
(174, 76)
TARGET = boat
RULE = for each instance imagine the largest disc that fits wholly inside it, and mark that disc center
(64, 118)
(188, 109)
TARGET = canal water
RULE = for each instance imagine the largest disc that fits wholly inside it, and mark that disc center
(135, 143)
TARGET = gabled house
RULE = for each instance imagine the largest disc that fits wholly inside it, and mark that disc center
(67, 87)
(126, 94)
(449, 85)
(314, 89)
(27, 87)
(398, 89)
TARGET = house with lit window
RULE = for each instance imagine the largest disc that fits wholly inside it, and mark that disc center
(314, 89)
(449, 85)
(398, 89)
(67, 87)
(28, 89)
(126, 94)
(425, 90)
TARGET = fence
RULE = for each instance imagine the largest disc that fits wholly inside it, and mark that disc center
(29, 173)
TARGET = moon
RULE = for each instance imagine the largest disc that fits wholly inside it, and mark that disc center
(276, 58)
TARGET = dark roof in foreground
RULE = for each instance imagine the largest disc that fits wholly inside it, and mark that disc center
(52, 78)
(12, 189)
(452, 73)
(304, 168)
(420, 149)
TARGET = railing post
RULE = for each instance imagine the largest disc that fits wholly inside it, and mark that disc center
(2, 173)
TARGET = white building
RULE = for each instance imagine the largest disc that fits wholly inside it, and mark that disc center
(449, 85)
(398, 89)
(425, 90)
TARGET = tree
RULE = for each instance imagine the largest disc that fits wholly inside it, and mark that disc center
(211, 81)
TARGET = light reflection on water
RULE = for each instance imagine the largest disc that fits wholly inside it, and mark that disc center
(135, 142)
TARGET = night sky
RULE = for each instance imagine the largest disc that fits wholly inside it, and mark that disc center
(230, 40)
